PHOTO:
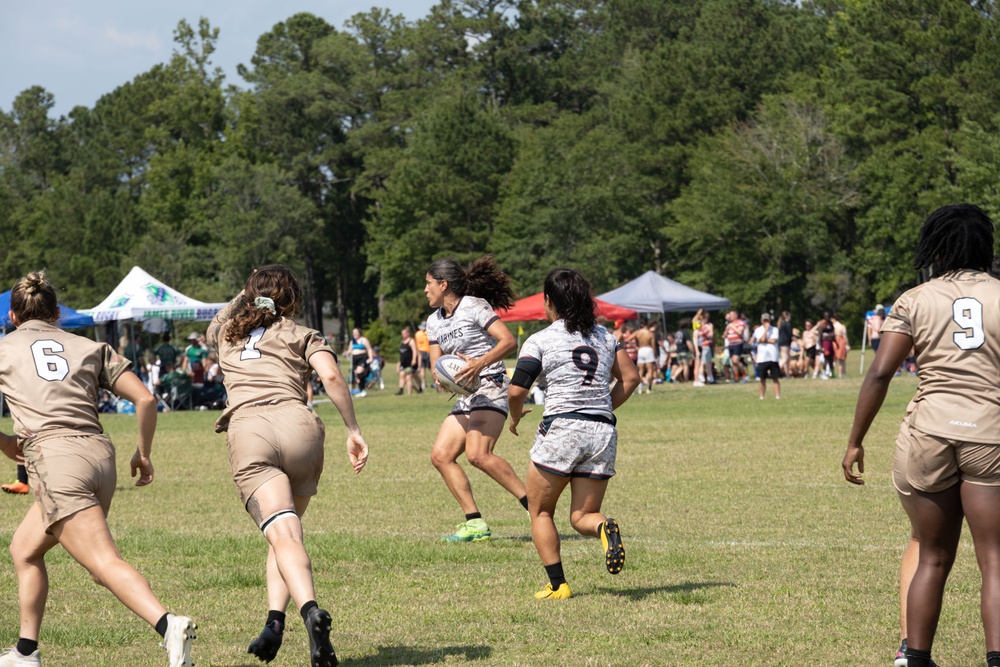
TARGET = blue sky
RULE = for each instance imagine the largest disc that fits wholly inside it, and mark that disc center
(79, 51)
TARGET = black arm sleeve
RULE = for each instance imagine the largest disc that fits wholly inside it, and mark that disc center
(526, 372)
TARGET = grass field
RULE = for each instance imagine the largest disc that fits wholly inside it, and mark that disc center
(745, 546)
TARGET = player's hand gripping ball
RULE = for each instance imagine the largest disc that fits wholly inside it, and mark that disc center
(446, 368)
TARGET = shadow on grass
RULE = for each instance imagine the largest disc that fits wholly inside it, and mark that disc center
(683, 591)
(568, 537)
(413, 655)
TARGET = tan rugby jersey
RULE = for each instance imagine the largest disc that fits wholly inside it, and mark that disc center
(954, 321)
(269, 366)
(51, 378)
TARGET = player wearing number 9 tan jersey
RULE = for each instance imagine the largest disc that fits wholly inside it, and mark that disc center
(946, 464)
(275, 442)
(948, 319)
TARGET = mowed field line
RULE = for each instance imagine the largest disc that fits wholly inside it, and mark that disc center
(742, 540)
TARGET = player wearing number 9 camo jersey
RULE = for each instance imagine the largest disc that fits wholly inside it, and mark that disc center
(51, 379)
(275, 442)
(576, 442)
(947, 459)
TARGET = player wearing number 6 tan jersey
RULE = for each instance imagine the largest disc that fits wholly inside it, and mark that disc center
(947, 461)
(276, 442)
(51, 379)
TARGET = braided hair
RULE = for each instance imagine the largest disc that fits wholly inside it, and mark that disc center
(569, 293)
(275, 282)
(34, 298)
(482, 279)
(955, 237)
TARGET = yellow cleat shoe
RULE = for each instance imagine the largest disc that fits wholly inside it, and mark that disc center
(560, 593)
(614, 551)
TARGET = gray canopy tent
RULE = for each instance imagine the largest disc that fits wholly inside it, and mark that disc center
(652, 293)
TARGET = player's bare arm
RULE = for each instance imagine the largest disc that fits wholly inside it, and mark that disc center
(130, 387)
(893, 349)
(325, 365)
(222, 317)
(8, 445)
(515, 401)
(505, 344)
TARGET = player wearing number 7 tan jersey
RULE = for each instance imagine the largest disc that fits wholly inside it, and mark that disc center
(276, 442)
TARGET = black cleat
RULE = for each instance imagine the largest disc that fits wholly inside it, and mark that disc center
(318, 624)
(614, 551)
(266, 645)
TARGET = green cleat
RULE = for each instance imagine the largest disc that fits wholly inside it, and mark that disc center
(475, 530)
(614, 551)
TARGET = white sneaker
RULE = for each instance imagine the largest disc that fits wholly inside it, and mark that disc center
(11, 658)
(177, 641)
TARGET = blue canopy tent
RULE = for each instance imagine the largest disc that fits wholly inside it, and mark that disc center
(68, 318)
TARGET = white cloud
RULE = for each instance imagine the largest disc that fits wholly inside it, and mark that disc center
(147, 41)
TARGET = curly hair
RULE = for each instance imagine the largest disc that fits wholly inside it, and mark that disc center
(34, 298)
(483, 279)
(276, 282)
(570, 294)
(955, 237)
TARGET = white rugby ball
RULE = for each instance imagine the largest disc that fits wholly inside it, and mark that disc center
(446, 368)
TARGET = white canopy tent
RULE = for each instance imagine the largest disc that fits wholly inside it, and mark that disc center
(652, 293)
(141, 297)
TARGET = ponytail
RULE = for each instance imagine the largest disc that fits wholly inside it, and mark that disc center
(482, 279)
(570, 294)
(271, 292)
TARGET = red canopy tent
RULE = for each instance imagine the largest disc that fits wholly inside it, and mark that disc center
(532, 308)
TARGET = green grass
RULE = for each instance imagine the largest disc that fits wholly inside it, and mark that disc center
(744, 545)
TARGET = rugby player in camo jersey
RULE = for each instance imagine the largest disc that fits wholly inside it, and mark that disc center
(577, 440)
(464, 323)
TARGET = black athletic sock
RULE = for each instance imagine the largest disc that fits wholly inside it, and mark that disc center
(161, 625)
(556, 576)
(22, 477)
(307, 607)
(275, 615)
(993, 659)
(524, 502)
(26, 646)
(474, 515)
(917, 658)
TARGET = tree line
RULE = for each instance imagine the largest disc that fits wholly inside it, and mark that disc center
(782, 154)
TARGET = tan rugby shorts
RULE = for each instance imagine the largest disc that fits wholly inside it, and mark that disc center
(269, 440)
(70, 473)
(931, 463)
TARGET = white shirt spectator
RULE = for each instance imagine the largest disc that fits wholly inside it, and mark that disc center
(766, 337)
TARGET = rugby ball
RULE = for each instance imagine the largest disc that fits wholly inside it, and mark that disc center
(446, 368)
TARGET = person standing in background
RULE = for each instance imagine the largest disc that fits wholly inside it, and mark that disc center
(766, 338)
(785, 343)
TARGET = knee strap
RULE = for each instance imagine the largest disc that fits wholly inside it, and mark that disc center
(277, 516)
